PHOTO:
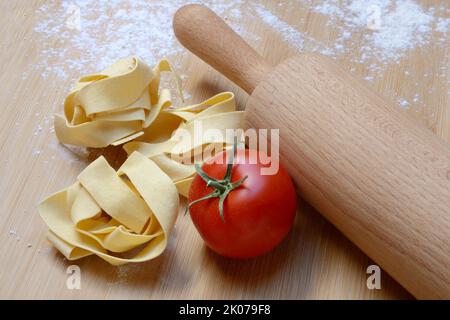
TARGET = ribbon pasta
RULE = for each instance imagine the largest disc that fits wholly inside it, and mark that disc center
(114, 106)
(217, 113)
(126, 216)
(109, 213)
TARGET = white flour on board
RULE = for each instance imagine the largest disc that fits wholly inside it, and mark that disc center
(403, 25)
(88, 35)
(389, 31)
(390, 28)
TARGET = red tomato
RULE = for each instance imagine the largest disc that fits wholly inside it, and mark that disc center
(257, 215)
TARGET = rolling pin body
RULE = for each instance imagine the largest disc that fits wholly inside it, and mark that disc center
(369, 168)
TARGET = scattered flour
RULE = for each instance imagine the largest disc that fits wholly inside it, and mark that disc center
(69, 153)
(389, 31)
(442, 25)
(390, 28)
(403, 103)
(17, 237)
(89, 35)
(286, 31)
(13, 233)
(402, 25)
(122, 274)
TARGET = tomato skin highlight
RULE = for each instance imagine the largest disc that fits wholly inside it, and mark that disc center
(257, 215)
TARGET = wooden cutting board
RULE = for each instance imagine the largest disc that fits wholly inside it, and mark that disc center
(314, 262)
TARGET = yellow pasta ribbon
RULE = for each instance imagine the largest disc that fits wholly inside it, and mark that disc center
(218, 113)
(114, 106)
(109, 213)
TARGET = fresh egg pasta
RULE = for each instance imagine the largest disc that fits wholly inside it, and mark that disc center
(126, 216)
(109, 213)
(114, 106)
(217, 113)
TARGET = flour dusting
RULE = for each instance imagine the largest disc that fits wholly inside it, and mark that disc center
(88, 35)
(390, 28)
(374, 33)
(286, 31)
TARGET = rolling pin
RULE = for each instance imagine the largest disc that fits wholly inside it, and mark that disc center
(379, 176)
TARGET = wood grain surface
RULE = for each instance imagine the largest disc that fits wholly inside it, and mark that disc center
(315, 261)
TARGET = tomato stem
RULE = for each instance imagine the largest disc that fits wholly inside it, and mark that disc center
(221, 187)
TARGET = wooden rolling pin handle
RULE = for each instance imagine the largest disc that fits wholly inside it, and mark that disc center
(206, 35)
